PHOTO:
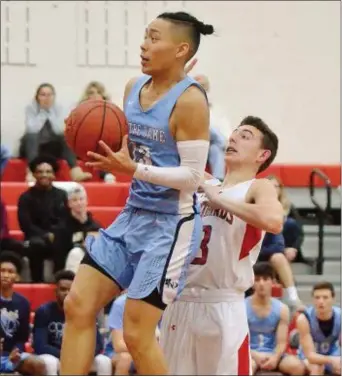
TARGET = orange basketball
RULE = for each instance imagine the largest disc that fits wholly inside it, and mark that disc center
(92, 121)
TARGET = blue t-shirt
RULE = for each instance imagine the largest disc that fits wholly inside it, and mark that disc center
(15, 322)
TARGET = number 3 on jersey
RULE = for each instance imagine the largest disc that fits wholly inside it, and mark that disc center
(201, 259)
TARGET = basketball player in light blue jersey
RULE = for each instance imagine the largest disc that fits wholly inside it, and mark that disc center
(319, 330)
(268, 322)
(149, 247)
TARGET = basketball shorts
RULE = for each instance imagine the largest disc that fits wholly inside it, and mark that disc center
(206, 334)
(144, 251)
(8, 367)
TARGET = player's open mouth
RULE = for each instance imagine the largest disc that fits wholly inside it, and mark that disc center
(231, 150)
(143, 60)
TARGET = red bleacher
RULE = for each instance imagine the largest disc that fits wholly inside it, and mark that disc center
(107, 200)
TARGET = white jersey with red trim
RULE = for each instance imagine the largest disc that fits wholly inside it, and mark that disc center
(229, 249)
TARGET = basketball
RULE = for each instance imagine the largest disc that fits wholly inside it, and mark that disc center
(92, 121)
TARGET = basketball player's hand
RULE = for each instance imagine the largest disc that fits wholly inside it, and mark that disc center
(270, 362)
(119, 162)
(190, 66)
(211, 193)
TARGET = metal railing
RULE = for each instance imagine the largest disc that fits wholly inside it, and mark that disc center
(322, 213)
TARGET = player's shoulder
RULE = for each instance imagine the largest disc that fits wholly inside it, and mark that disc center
(129, 85)
(192, 97)
(262, 183)
(258, 185)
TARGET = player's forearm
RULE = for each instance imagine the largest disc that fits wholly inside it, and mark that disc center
(316, 358)
(193, 156)
(263, 217)
(280, 349)
(178, 178)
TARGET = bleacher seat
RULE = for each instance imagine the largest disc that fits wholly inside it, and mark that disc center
(37, 294)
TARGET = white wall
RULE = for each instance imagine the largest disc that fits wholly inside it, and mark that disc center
(278, 60)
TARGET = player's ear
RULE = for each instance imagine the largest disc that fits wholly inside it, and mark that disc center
(182, 50)
(264, 155)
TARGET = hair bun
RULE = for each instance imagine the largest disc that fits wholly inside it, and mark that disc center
(205, 29)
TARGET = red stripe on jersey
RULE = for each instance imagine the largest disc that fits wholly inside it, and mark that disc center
(244, 358)
(251, 238)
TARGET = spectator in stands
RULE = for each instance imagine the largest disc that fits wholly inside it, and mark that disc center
(71, 233)
(293, 229)
(268, 320)
(44, 128)
(216, 156)
(48, 331)
(40, 209)
(96, 90)
(116, 347)
(272, 250)
(7, 243)
(4, 157)
(15, 316)
(319, 330)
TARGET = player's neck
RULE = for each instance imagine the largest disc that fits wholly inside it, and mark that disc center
(261, 300)
(238, 175)
(7, 293)
(161, 83)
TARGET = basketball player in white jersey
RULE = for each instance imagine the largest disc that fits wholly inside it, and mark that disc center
(205, 332)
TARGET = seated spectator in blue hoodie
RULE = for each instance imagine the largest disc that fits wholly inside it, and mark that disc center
(15, 322)
(48, 331)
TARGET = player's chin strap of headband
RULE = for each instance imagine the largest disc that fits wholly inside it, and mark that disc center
(193, 159)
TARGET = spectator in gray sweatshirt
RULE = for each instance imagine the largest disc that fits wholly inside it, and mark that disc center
(44, 132)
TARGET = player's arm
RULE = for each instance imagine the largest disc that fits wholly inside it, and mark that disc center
(282, 331)
(190, 126)
(307, 344)
(118, 341)
(261, 209)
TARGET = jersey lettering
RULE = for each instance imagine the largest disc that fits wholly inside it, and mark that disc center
(204, 250)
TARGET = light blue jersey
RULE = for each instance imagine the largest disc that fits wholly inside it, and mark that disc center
(151, 143)
(149, 247)
(324, 345)
(263, 329)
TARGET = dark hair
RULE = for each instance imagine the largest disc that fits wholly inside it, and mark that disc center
(10, 257)
(324, 285)
(52, 161)
(195, 26)
(64, 275)
(263, 269)
(44, 85)
(270, 139)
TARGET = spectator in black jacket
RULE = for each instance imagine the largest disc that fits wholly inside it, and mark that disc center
(40, 209)
(71, 233)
